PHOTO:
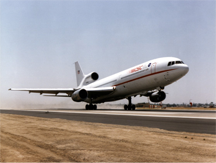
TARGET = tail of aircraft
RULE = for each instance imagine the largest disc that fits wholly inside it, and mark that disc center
(83, 79)
(79, 73)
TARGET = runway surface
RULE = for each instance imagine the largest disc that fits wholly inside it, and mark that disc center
(172, 120)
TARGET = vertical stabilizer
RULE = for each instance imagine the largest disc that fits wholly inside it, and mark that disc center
(79, 73)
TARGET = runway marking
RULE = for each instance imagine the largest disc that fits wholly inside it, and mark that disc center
(145, 114)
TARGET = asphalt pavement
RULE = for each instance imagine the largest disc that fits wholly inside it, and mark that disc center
(193, 125)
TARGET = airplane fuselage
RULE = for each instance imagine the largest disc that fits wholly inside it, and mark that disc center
(140, 79)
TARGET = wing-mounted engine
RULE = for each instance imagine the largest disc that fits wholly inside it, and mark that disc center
(157, 96)
(91, 93)
(79, 95)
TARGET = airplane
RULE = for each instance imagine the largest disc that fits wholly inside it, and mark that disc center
(147, 79)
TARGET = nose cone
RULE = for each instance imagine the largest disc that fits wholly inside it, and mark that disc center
(184, 69)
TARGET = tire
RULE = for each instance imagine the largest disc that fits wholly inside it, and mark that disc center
(129, 108)
(125, 107)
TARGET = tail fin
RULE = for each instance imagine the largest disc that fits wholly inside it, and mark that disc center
(79, 73)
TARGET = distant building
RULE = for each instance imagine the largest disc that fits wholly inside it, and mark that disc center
(143, 105)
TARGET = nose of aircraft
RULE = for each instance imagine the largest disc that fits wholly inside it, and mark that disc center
(184, 69)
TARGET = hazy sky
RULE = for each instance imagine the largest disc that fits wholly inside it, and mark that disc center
(41, 40)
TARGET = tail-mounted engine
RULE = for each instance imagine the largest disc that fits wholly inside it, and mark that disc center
(90, 78)
(157, 96)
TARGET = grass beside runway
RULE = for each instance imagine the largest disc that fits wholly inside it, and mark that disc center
(34, 139)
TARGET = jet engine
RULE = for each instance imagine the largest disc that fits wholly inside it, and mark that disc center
(90, 78)
(79, 95)
(157, 96)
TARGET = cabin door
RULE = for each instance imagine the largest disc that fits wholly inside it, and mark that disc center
(153, 67)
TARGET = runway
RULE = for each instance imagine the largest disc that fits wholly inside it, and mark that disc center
(182, 121)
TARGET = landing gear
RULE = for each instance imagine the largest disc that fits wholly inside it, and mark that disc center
(91, 107)
(130, 106)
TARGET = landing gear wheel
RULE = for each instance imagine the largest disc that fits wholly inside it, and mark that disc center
(91, 107)
(125, 107)
(130, 106)
(94, 107)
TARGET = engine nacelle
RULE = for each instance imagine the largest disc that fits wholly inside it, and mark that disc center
(90, 78)
(157, 96)
(79, 95)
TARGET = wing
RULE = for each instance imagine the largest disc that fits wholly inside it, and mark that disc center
(92, 92)
(54, 91)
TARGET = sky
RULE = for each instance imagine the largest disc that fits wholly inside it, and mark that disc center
(40, 40)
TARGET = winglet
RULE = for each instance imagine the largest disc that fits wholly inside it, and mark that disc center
(79, 73)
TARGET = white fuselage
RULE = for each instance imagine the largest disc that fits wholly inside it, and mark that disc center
(141, 79)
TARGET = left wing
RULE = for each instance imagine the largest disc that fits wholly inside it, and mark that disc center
(90, 92)
(55, 91)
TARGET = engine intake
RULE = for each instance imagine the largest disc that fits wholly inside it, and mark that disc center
(79, 95)
(157, 96)
(94, 76)
(90, 78)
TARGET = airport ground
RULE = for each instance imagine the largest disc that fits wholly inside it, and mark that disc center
(36, 139)
(176, 108)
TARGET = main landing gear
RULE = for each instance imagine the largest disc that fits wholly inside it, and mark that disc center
(91, 107)
(130, 106)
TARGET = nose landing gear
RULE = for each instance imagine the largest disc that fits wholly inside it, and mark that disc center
(130, 106)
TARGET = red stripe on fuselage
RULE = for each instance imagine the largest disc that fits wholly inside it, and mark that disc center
(143, 77)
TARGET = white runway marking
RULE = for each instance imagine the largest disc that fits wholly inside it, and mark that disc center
(195, 115)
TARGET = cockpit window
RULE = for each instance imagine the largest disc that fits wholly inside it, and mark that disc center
(175, 62)
(149, 64)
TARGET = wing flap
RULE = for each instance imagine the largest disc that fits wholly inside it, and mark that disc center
(56, 95)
